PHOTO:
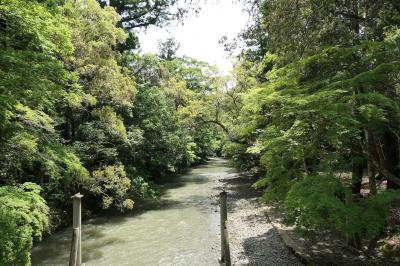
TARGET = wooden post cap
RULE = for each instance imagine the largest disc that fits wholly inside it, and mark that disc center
(77, 196)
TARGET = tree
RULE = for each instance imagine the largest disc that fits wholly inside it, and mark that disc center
(322, 107)
(141, 13)
(79, 115)
(167, 49)
(23, 217)
(33, 81)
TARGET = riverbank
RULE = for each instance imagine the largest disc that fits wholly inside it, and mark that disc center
(182, 228)
(258, 235)
(253, 239)
(325, 248)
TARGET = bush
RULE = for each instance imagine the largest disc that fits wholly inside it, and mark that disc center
(23, 217)
(319, 201)
(112, 185)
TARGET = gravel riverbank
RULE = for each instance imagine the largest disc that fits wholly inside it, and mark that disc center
(253, 239)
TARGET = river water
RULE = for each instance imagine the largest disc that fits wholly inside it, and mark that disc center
(182, 228)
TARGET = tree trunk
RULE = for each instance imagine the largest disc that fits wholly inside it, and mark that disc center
(370, 167)
(356, 177)
(391, 152)
(352, 240)
(357, 170)
(371, 179)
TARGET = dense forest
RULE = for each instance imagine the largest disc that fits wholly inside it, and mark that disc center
(79, 111)
(312, 107)
(316, 112)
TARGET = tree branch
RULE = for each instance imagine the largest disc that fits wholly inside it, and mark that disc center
(222, 126)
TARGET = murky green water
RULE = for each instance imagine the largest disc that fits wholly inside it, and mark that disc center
(182, 229)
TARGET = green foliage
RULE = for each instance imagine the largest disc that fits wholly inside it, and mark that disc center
(33, 82)
(60, 163)
(167, 49)
(94, 35)
(80, 112)
(315, 201)
(164, 145)
(109, 120)
(316, 96)
(237, 153)
(276, 185)
(319, 202)
(140, 13)
(198, 75)
(307, 124)
(141, 189)
(112, 185)
(23, 217)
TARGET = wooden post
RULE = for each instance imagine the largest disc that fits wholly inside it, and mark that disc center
(227, 248)
(223, 218)
(73, 258)
(77, 223)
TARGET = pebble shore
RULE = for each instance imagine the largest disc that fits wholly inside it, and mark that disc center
(253, 239)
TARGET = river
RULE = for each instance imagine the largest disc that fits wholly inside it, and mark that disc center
(180, 229)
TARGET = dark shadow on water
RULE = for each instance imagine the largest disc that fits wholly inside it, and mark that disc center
(163, 203)
(232, 171)
(61, 243)
(214, 163)
(174, 182)
(144, 207)
(94, 229)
